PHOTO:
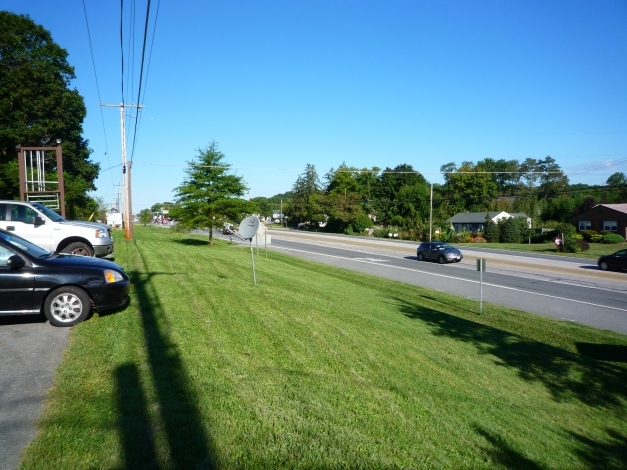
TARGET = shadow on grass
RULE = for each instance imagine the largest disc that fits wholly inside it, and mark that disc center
(133, 422)
(191, 241)
(603, 352)
(611, 453)
(563, 373)
(501, 453)
(189, 445)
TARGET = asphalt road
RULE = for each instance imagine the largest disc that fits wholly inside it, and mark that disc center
(569, 289)
(30, 351)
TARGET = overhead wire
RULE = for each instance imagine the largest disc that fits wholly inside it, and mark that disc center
(141, 72)
(93, 61)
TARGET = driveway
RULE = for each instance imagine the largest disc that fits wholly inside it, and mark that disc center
(30, 351)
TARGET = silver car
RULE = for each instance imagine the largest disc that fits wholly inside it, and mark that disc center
(438, 251)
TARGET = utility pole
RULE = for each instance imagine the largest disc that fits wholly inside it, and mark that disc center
(126, 170)
(431, 214)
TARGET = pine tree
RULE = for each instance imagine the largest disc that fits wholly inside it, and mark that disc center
(210, 195)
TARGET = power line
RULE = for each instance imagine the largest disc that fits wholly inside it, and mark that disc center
(141, 73)
(97, 88)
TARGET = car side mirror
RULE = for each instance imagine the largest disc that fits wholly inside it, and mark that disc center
(16, 262)
(38, 221)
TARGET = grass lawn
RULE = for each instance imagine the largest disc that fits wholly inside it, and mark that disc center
(322, 368)
(596, 249)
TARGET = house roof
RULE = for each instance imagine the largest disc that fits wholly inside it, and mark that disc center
(519, 214)
(472, 217)
(616, 207)
(480, 217)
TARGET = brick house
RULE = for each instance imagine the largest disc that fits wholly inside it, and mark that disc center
(608, 217)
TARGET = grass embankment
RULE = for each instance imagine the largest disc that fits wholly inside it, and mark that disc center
(596, 249)
(318, 367)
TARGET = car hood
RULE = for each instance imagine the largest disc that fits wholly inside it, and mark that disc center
(61, 259)
(81, 223)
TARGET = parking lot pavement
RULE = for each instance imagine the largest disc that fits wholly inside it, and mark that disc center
(30, 351)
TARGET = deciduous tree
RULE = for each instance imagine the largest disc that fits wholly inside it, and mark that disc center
(38, 106)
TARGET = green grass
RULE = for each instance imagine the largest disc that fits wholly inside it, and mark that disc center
(596, 249)
(322, 368)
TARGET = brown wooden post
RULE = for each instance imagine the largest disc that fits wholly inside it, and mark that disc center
(22, 172)
(59, 152)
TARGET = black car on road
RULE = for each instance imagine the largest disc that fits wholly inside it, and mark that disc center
(64, 287)
(438, 251)
(616, 260)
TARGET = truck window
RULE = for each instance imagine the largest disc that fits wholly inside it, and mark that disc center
(22, 213)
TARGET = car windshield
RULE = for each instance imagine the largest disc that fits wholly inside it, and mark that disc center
(52, 215)
(25, 245)
(445, 246)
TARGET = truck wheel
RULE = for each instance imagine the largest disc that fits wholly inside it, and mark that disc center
(67, 306)
(78, 248)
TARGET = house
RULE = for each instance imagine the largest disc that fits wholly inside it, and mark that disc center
(608, 217)
(476, 221)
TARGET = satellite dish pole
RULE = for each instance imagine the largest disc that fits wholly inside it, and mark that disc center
(247, 230)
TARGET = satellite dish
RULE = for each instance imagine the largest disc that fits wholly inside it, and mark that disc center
(248, 227)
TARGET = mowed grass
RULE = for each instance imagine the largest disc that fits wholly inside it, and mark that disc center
(322, 368)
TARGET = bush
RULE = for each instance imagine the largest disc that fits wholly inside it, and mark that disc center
(478, 240)
(596, 238)
(570, 245)
(613, 238)
(491, 232)
(587, 234)
(380, 233)
(582, 245)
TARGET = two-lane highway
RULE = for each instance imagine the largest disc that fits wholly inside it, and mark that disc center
(570, 289)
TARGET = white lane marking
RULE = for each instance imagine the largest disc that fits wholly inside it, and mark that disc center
(374, 260)
(456, 278)
(471, 267)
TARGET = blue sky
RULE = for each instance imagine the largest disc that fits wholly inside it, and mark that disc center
(279, 84)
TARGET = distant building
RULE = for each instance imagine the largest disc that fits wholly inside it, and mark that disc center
(476, 221)
(608, 217)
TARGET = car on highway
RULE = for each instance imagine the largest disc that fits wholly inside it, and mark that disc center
(438, 251)
(616, 260)
(63, 287)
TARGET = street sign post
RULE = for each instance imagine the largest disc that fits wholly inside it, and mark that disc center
(481, 268)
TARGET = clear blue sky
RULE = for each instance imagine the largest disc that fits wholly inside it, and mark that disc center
(279, 84)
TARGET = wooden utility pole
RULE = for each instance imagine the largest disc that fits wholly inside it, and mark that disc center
(126, 170)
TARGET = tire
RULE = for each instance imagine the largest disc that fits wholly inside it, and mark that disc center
(67, 306)
(421, 257)
(78, 248)
(604, 265)
(441, 260)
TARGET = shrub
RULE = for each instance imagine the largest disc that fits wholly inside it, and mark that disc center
(478, 240)
(491, 233)
(596, 238)
(587, 234)
(613, 238)
(578, 236)
(570, 245)
(582, 245)
(380, 233)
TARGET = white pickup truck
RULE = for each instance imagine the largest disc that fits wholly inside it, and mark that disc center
(44, 227)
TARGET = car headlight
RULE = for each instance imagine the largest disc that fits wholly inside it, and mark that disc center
(112, 276)
(102, 233)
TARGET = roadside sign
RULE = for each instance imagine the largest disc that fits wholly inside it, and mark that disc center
(481, 269)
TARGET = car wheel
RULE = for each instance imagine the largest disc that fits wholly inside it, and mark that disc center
(421, 257)
(604, 265)
(78, 248)
(67, 306)
(441, 260)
